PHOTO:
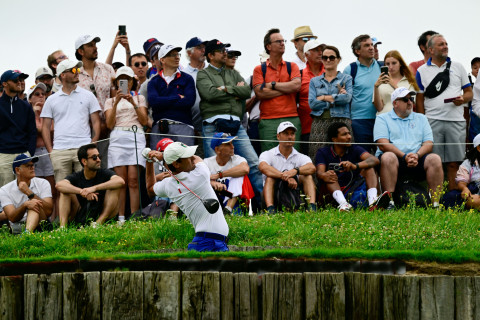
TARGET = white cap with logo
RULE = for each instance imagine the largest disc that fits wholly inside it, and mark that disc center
(401, 92)
(42, 71)
(284, 126)
(165, 49)
(68, 64)
(178, 150)
(84, 40)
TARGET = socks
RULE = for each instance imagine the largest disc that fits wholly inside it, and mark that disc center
(371, 195)
(121, 218)
(339, 197)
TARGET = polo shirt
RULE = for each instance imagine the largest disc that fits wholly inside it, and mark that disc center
(284, 105)
(10, 194)
(276, 159)
(415, 65)
(362, 105)
(406, 134)
(304, 107)
(71, 116)
(214, 167)
(435, 108)
(327, 155)
(198, 180)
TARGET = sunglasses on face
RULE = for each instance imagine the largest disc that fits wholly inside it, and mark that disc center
(137, 64)
(73, 70)
(406, 99)
(95, 157)
(331, 58)
(307, 39)
(61, 58)
(231, 56)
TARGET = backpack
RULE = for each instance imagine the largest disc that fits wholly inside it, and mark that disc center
(356, 194)
(286, 197)
(439, 83)
(404, 190)
(263, 66)
(354, 68)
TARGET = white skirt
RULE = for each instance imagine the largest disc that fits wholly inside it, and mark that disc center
(121, 151)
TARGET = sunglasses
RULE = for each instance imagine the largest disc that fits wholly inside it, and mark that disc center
(95, 157)
(307, 39)
(231, 56)
(92, 88)
(61, 58)
(406, 99)
(137, 64)
(279, 41)
(73, 70)
(331, 58)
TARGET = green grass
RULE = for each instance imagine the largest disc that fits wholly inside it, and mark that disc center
(411, 233)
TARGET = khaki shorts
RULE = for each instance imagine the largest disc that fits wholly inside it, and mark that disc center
(64, 163)
(6, 171)
(449, 132)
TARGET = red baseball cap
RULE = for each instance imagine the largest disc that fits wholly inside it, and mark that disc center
(162, 144)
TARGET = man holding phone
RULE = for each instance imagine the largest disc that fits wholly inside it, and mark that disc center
(442, 100)
(120, 38)
(343, 169)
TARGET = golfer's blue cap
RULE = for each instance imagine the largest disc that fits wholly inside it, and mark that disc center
(220, 138)
(22, 158)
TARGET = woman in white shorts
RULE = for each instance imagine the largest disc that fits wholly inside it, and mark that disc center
(121, 113)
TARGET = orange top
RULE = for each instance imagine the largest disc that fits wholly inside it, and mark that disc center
(304, 108)
(282, 106)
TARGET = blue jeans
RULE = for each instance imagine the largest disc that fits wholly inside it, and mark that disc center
(243, 148)
(206, 244)
(363, 133)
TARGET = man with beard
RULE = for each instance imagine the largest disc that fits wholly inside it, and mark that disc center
(17, 125)
(91, 193)
(405, 146)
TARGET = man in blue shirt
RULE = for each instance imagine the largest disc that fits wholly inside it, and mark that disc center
(405, 146)
(365, 71)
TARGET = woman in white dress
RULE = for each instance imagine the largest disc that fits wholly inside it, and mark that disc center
(121, 113)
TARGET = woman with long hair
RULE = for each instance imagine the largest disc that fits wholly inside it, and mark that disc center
(399, 75)
(468, 176)
(121, 113)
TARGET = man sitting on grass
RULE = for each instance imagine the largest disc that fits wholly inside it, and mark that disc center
(405, 146)
(284, 163)
(346, 169)
(27, 198)
(211, 230)
(91, 193)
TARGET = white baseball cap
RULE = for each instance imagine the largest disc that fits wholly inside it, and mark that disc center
(124, 71)
(165, 49)
(401, 92)
(68, 64)
(178, 150)
(285, 125)
(43, 71)
(312, 44)
(84, 40)
(476, 141)
(40, 85)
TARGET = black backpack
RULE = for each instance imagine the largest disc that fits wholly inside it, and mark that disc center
(286, 197)
(354, 68)
(406, 189)
(263, 66)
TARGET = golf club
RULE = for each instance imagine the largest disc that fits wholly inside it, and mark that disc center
(212, 205)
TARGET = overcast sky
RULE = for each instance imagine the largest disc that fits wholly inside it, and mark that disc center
(33, 29)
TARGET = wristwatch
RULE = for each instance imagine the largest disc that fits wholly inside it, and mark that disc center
(273, 85)
(298, 170)
(31, 196)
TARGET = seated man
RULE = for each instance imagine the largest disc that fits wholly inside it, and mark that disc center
(91, 193)
(285, 163)
(341, 168)
(227, 169)
(26, 198)
(211, 229)
(406, 144)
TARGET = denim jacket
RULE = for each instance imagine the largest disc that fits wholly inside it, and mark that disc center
(320, 87)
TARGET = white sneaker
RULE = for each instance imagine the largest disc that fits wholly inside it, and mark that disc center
(345, 207)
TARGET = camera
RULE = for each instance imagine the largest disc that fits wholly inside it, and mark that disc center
(335, 167)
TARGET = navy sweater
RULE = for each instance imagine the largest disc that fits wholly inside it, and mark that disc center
(165, 100)
(18, 132)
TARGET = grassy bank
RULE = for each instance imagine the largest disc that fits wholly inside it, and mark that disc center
(412, 233)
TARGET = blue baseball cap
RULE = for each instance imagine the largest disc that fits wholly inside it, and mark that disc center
(195, 41)
(221, 138)
(22, 158)
(12, 75)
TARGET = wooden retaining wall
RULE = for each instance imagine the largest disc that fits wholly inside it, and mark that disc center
(225, 295)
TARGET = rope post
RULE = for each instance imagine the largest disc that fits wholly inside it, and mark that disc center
(135, 129)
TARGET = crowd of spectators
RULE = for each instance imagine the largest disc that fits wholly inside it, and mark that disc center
(72, 143)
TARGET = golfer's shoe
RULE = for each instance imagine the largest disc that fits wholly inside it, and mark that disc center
(391, 205)
(381, 202)
(345, 207)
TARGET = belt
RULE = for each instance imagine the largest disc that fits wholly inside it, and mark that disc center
(172, 122)
(128, 129)
(209, 235)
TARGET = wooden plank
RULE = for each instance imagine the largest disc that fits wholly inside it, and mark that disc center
(81, 296)
(11, 298)
(476, 299)
(324, 296)
(246, 296)
(43, 296)
(226, 295)
(363, 296)
(122, 295)
(200, 295)
(437, 298)
(162, 295)
(467, 298)
(401, 297)
(282, 296)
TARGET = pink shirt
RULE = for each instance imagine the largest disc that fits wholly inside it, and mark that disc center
(102, 80)
(126, 115)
